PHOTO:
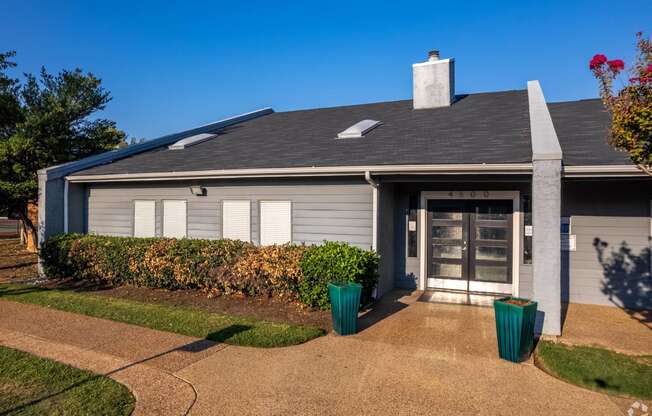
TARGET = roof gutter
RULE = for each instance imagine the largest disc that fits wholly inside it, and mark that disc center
(602, 171)
(448, 169)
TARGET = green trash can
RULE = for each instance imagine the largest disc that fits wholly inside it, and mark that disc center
(515, 327)
(345, 303)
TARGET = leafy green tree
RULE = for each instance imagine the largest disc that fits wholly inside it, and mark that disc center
(631, 105)
(45, 121)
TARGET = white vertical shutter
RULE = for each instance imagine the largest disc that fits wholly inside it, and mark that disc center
(174, 219)
(144, 218)
(275, 222)
(236, 220)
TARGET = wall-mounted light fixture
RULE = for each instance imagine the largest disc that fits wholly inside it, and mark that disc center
(198, 190)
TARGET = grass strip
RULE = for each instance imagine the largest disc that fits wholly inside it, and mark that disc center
(30, 385)
(598, 369)
(228, 329)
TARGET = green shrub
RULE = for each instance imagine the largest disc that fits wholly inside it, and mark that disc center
(219, 266)
(152, 262)
(338, 262)
(54, 255)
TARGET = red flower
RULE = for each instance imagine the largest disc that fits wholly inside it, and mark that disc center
(597, 61)
(649, 69)
(616, 65)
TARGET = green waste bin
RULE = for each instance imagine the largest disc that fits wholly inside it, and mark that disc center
(345, 303)
(515, 327)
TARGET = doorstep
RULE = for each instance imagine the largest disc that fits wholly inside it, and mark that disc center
(460, 297)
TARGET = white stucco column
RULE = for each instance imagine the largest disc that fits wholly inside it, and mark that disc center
(546, 211)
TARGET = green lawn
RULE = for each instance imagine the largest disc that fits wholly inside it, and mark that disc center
(31, 385)
(223, 328)
(598, 369)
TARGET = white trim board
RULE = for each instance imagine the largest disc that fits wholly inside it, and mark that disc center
(483, 194)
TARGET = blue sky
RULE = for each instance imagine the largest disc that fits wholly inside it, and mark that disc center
(172, 66)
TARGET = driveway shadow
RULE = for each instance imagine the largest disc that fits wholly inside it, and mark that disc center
(390, 304)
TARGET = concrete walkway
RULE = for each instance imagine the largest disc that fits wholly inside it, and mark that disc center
(142, 359)
(421, 358)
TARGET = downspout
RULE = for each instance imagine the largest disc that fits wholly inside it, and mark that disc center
(374, 220)
(374, 224)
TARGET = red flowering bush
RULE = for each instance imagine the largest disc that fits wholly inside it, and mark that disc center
(616, 65)
(597, 61)
(631, 105)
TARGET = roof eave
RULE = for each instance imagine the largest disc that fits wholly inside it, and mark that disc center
(453, 169)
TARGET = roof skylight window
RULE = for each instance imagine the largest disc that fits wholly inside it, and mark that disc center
(359, 129)
(191, 141)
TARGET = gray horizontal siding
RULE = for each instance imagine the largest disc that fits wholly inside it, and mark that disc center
(320, 211)
(616, 214)
(588, 276)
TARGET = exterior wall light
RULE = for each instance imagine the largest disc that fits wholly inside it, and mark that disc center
(198, 190)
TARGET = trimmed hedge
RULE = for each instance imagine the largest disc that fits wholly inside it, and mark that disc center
(219, 266)
(336, 262)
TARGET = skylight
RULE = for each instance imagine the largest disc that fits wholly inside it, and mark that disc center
(190, 141)
(359, 129)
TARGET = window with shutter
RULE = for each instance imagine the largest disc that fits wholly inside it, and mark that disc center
(174, 219)
(236, 220)
(144, 218)
(275, 222)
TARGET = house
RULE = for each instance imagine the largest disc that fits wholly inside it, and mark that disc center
(478, 194)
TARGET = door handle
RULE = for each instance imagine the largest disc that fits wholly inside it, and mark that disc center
(464, 246)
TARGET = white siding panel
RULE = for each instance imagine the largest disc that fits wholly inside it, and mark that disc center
(236, 220)
(275, 222)
(144, 219)
(174, 219)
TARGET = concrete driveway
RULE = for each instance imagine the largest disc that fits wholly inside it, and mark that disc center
(411, 358)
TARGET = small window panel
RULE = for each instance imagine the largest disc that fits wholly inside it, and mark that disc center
(174, 219)
(565, 225)
(275, 222)
(144, 219)
(413, 206)
(526, 206)
(236, 220)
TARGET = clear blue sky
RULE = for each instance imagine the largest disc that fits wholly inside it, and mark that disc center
(177, 65)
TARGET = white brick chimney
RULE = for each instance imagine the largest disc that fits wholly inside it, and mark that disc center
(433, 82)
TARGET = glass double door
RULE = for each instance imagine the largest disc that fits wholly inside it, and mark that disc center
(470, 245)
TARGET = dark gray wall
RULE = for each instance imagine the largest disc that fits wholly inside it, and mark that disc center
(324, 209)
(406, 268)
(611, 222)
(76, 208)
(50, 212)
(386, 209)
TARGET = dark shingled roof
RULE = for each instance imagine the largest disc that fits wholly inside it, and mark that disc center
(477, 128)
(582, 131)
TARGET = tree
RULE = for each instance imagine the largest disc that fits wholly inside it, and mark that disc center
(630, 107)
(47, 121)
